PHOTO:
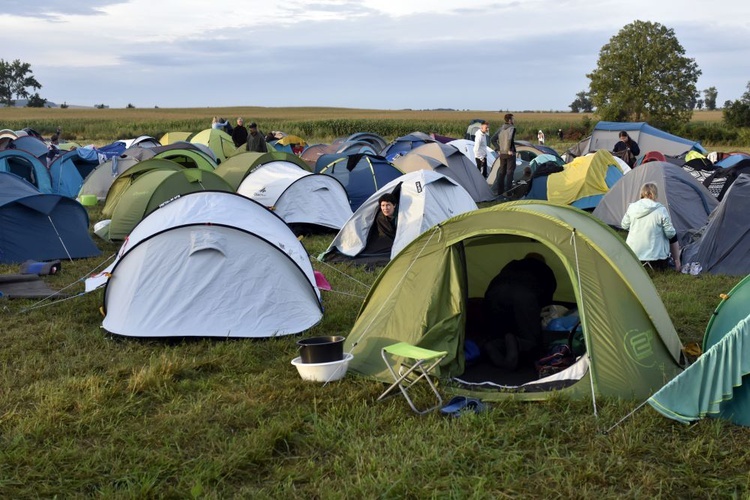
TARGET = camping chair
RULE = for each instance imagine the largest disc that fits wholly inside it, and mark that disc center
(420, 363)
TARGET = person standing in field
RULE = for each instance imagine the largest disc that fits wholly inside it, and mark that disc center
(480, 147)
(255, 140)
(239, 134)
(504, 143)
(540, 137)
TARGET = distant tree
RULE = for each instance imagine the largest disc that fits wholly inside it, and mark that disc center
(130, 106)
(64, 105)
(15, 79)
(709, 98)
(582, 103)
(36, 101)
(643, 74)
(100, 106)
(699, 103)
(737, 113)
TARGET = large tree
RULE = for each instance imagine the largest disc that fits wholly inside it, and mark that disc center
(710, 95)
(643, 75)
(582, 102)
(15, 80)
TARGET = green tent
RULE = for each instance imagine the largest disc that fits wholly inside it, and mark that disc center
(423, 297)
(714, 385)
(235, 169)
(154, 188)
(219, 141)
(188, 158)
(128, 177)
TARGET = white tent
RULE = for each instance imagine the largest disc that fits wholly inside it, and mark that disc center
(467, 148)
(210, 264)
(298, 196)
(425, 198)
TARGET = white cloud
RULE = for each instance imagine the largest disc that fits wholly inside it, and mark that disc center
(531, 54)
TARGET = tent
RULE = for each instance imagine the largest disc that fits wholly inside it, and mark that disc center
(26, 166)
(425, 198)
(606, 135)
(210, 264)
(424, 295)
(33, 145)
(689, 203)
(375, 140)
(527, 151)
(101, 178)
(720, 179)
(716, 384)
(129, 176)
(402, 145)
(40, 226)
(306, 201)
(467, 147)
(724, 246)
(449, 161)
(311, 153)
(239, 166)
(172, 137)
(583, 182)
(188, 158)
(219, 141)
(360, 174)
(152, 189)
(70, 169)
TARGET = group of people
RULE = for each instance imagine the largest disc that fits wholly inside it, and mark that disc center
(503, 141)
(249, 136)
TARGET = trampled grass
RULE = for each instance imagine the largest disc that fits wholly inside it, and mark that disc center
(84, 413)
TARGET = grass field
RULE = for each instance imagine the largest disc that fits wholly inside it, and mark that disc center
(84, 413)
(87, 414)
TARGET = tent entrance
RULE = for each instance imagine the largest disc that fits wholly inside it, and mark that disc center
(485, 256)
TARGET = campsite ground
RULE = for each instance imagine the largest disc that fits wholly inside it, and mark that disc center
(83, 413)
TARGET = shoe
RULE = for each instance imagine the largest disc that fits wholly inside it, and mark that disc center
(461, 404)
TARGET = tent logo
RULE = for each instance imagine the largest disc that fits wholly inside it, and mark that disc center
(418, 186)
(260, 192)
(639, 347)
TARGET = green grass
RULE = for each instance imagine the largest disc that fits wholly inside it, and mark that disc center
(83, 413)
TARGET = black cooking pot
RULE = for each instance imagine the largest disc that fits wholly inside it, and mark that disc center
(321, 349)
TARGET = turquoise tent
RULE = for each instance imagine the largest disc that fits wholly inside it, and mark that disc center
(717, 384)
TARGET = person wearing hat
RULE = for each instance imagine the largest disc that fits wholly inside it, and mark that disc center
(255, 140)
(239, 134)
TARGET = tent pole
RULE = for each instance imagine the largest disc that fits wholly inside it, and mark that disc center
(60, 238)
(625, 417)
(583, 315)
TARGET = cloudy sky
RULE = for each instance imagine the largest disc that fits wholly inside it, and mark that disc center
(384, 54)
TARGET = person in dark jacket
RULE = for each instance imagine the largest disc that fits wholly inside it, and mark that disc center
(513, 304)
(239, 134)
(627, 149)
(255, 140)
(504, 143)
(383, 231)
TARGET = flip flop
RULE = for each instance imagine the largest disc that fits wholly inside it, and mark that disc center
(460, 404)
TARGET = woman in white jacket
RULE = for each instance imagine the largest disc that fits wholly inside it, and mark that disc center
(651, 233)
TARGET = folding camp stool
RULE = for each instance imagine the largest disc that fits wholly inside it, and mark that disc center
(422, 362)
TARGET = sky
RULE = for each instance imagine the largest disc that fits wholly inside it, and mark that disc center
(376, 54)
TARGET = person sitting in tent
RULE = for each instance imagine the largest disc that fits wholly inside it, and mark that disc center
(513, 305)
(651, 233)
(383, 231)
(627, 149)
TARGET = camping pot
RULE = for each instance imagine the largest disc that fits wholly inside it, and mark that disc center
(321, 349)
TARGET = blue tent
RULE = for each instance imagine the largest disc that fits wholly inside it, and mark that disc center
(404, 144)
(40, 226)
(26, 166)
(70, 169)
(605, 136)
(361, 174)
(32, 145)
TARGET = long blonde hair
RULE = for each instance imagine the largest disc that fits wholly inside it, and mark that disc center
(650, 191)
